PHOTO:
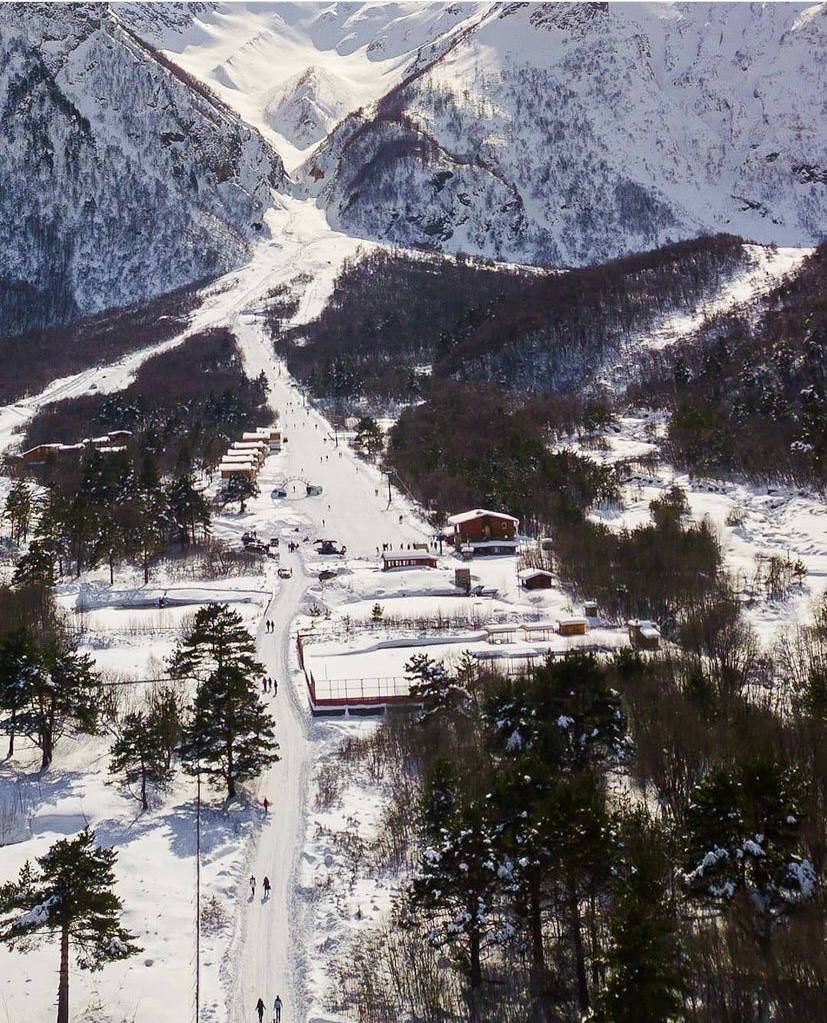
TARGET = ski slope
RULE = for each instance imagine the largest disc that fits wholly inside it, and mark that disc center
(267, 944)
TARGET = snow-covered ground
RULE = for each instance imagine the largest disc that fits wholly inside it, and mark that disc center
(753, 521)
(766, 267)
(254, 948)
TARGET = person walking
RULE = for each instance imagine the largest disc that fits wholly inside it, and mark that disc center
(275, 687)
(252, 886)
(264, 684)
(266, 804)
(266, 885)
(277, 1010)
(260, 1010)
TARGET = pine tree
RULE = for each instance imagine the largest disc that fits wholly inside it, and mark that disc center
(644, 964)
(377, 613)
(431, 684)
(19, 663)
(71, 895)
(18, 510)
(60, 690)
(230, 734)
(39, 563)
(139, 752)
(459, 884)
(189, 508)
(240, 489)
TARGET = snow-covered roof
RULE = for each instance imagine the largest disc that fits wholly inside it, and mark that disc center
(576, 620)
(502, 627)
(478, 513)
(530, 573)
(538, 626)
(408, 556)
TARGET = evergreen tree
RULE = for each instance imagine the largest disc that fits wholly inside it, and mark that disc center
(377, 613)
(167, 708)
(744, 851)
(240, 489)
(70, 894)
(60, 689)
(369, 436)
(230, 734)
(19, 664)
(39, 563)
(189, 507)
(645, 972)
(431, 684)
(459, 884)
(139, 752)
(18, 510)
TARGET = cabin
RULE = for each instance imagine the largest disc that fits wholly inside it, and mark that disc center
(535, 579)
(407, 559)
(41, 453)
(256, 448)
(484, 532)
(573, 626)
(643, 634)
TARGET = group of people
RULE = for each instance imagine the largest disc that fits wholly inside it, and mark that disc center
(261, 1008)
(269, 685)
(265, 884)
(269, 625)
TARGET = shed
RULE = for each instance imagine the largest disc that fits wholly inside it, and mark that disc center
(407, 559)
(538, 630)
(501, 632)
(237, 469)
(573, 626)
(535, 579)
(643, 634)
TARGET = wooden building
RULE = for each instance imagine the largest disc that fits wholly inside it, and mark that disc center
(535, 579)
(407, 559)
(484, 532)
(643, 634)
(573, 626)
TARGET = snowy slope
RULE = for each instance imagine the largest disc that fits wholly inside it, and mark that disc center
(130, 181)
(560, 133)
(253, 53)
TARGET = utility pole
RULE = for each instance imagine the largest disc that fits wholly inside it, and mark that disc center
(198, 897)
(389, 473)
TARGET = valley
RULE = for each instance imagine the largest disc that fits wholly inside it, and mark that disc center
(489, 409)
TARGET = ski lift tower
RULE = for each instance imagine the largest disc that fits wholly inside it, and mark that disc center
(389, 473)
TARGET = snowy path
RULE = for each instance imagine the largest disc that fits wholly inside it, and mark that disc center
(267, 947)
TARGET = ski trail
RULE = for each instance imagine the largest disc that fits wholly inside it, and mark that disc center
(267, 953)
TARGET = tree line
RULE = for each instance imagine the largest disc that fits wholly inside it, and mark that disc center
(632, 840)
(48, 689)
(105, 507)
(748, 392)
(393, 320)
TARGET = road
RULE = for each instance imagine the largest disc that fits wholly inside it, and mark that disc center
(267, 946)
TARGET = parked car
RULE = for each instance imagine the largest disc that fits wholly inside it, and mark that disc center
(326, 574)
(278, 493)
(285, 572)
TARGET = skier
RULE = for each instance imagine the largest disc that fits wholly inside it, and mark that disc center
(264, 684)
(260, 1010)
(275, 687)
(277, 1010)
(252, 885)
(266, 887)
(266, 805)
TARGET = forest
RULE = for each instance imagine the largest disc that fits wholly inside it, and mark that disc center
(395, 319)
(632, 840)
(748, 392)
(144, 501)
(34, 359)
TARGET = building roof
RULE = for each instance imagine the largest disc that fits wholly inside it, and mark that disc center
(478, 513)
(530, 573)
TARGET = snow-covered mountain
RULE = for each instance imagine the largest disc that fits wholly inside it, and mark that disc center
(307, 106)
(251, 54)
(571, 133)
(119, 176)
